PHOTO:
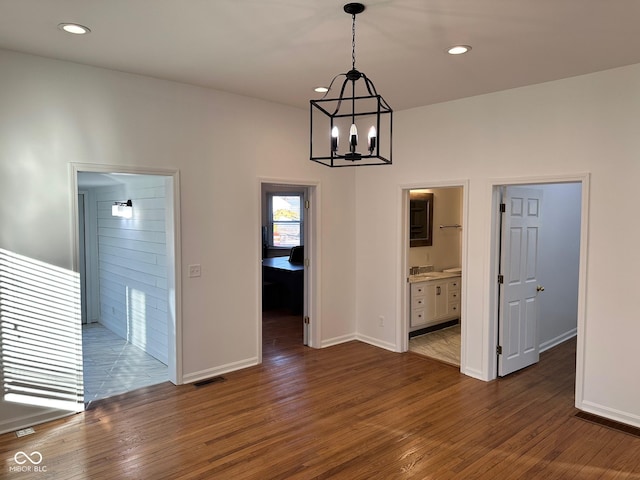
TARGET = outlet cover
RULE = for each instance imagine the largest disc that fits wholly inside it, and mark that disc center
(194, 270)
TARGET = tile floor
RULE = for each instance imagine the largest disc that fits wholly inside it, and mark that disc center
(443, 345)
(113, 366)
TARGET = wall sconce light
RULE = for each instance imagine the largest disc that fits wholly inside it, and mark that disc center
(122, 209)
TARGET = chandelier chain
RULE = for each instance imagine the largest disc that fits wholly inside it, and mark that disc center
(353, 42)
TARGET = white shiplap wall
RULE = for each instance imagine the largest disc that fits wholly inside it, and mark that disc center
(133, 265)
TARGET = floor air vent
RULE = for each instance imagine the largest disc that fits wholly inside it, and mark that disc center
(209, 381)
(605, 422)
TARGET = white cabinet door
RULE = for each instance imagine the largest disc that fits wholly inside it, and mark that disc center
(440, 299)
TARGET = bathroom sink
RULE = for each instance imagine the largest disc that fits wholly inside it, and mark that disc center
(432, 274)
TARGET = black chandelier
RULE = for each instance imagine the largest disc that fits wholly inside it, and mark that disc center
(364, 110)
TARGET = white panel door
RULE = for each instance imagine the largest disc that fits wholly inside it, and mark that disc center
(518, 313)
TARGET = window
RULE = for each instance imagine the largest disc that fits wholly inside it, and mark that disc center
(285, 219)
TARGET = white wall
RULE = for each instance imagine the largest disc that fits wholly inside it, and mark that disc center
(559, 262)
(54, 113)
(580, 125)
(446, 251)
(132, 263)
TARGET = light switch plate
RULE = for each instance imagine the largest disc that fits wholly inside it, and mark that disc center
(194, 270)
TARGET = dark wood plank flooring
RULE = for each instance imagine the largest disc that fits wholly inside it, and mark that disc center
(351, 411)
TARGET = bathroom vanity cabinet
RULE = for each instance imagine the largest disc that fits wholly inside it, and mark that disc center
(434, 301)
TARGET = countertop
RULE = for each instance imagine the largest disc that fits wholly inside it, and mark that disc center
(425, 277)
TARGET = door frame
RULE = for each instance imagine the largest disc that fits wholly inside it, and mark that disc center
(173, 246)
(404, 306)
(491, 332)
(82, 263)
(311, 304)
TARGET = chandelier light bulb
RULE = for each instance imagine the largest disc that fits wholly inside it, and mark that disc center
(372, 139)
(353, 136)
(335, 135)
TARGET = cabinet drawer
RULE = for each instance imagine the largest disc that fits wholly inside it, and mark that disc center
(454, 309)
(454, 296)
(417, 289)
(418, 317)
(418, 302)
(454, 285)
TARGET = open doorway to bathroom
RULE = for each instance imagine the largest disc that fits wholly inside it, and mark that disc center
(126, 260)
(434, 264)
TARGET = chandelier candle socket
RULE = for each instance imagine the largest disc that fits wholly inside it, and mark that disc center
(357, 106)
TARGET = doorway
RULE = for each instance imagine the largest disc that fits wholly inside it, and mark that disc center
(454, 221)
(435, 268)
(131, 333)
(287, 241)
(559, 272)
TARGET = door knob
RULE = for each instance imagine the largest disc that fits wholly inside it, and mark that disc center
(540, 288)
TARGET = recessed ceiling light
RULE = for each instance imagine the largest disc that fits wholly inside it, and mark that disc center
(458, 49)
(74, 28)
(321, 89)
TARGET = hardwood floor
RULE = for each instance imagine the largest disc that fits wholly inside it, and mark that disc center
(352, 411)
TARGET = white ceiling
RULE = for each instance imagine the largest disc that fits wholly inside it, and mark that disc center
(279, 50)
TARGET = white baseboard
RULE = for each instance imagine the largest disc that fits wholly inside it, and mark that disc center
(377, 343)
(558, 340)
(477, 374)
(361, 338)
(610, 413)
(214, 372)
(31, 420)
(338, 340)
